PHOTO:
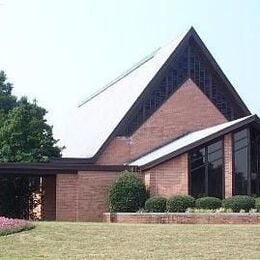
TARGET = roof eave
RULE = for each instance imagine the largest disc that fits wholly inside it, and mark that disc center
(51, 168)
(202, 141)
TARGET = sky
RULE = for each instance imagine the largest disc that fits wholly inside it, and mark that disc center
(61, 51)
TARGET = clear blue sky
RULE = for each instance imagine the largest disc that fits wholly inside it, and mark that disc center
(60, 51)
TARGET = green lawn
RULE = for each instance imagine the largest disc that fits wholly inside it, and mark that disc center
(121, 241)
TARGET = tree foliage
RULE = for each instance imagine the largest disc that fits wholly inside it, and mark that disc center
(25, 136)
(7, 100)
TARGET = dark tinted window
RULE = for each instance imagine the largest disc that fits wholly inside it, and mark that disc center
(206, 171)
(198, 182)
(214, 147)
(215, 178)
(255, 163)
(241, 142)
(241, 134)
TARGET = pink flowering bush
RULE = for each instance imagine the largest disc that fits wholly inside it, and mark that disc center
(9, 225)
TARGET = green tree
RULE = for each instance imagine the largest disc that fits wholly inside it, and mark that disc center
(25, 136)
(7, 100)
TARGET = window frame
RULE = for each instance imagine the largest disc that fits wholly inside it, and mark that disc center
(248, 146)
(205, 146)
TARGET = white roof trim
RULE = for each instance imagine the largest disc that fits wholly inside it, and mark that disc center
(183, 142)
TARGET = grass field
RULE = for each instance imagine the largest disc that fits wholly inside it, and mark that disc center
(121, 241)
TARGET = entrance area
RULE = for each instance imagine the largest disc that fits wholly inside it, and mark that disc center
(28, 196)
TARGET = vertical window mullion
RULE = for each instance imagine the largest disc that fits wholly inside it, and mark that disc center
(206, 172)
(249, 163)
(223, 170)
(258, 165)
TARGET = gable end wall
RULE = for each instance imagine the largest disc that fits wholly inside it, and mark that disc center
(188, 109)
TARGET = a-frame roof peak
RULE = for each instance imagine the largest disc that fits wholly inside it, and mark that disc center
(95, 121)
(161, 51)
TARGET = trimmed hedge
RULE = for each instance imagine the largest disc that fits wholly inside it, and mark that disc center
(180, 203)
(208, 203)
(238, 202)
(257, 204)
(127, 193)
(156, 204)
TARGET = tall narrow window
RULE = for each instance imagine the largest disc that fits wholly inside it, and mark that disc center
(215, 169)
(241, 162)
(198, 167)
(206, 171)
(247, 162)
(255, 162)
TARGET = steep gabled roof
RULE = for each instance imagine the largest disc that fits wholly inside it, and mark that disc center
(190, 141)
(98, 117)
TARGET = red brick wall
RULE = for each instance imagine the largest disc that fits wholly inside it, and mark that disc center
(182, 218)
(49, 198)
(117, 151)
(188, 109)
(93, 194)
(67, 197)
(228, 164)
(83, 196)
(169, 178)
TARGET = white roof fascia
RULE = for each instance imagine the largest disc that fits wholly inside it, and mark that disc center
(184, 141)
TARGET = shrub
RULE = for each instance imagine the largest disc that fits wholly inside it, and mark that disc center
(257, 204)
(208, 203)
(238, 202)
(180, 203)
(156, 204)
(127, 193)
(10, 226)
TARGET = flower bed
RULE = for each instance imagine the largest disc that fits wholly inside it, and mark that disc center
(9, 226)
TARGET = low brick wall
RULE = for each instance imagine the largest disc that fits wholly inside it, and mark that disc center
(183, 218)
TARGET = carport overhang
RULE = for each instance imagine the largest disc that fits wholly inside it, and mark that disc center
(58, 166)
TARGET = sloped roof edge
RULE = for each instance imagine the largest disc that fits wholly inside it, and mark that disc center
(136, 80)
(219, 71)
(190, 141)
(119, 96)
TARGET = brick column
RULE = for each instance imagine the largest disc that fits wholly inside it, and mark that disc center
(67, 197)
(49, 197)
(228, 164)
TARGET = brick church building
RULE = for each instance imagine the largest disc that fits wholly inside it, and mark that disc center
(174, 117)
